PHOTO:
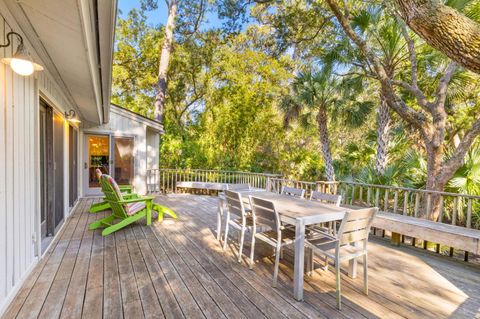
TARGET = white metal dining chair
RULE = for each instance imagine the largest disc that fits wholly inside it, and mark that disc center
(350, 243)
(292, 191)
(240, 220)
(275, 234)
(222, 203)
(326, 198)
(331, 199)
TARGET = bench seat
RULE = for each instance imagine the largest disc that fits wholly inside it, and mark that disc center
(454, 236)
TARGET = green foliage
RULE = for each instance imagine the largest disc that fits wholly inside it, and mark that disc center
(234, 92)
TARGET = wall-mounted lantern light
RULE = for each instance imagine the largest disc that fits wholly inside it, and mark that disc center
(71, 116)
(21, 62)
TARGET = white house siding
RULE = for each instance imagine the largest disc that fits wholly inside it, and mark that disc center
(124, 123)
(19, 174)
(153, 152)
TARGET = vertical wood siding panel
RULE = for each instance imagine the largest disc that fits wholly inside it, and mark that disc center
(23, 131)
(34, 168)
(28, 179)
(3, 167)
(17, 206)
(9, 172)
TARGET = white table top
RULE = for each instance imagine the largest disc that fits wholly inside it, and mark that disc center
(292, 208)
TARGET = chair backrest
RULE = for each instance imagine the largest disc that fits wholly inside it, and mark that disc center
(326, 198)
(113, 195)
(296, 192)
(356, 225)
(99, 174)
(235, 203)
(264, 213)
(238, 187)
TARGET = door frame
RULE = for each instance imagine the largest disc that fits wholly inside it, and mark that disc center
(87, 191)
(73, 159)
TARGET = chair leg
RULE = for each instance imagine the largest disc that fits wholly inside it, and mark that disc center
(219, 219)
(365, 273)
(240, 249)
(252, 251)
(98, 207)
(312, 263)
(275, 270)
(122, 224)
(337, 279)
(101, 222)
(325, 267)
(227, 224)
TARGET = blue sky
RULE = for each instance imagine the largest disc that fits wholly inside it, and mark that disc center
(160, 15)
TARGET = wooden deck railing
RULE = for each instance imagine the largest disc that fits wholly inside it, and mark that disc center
(165, 180)
(455, 209)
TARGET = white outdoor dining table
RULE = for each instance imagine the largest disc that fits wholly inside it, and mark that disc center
(301, 213)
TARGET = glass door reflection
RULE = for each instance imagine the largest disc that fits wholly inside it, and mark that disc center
(98, 157)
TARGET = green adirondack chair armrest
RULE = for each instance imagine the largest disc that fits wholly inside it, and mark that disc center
(134, 200)
(132, 195)
(125, 188)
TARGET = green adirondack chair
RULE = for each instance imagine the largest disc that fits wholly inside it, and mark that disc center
(104, 205)
(124, 211)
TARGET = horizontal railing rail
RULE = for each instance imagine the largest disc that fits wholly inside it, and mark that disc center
(453, 208)
(164, 180)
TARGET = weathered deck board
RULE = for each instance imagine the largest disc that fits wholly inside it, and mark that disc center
(177, 269)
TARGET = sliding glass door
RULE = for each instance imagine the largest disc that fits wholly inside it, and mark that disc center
(113, 155)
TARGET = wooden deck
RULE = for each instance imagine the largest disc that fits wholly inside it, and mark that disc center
(177, 269)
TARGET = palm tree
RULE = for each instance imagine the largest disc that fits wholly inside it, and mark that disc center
(389, 45)
(313, 94)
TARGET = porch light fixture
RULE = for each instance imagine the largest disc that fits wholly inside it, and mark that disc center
(71, 116)
(21, 62)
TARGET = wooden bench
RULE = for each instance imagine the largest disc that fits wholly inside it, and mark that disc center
(203, 185)
(454, 236)
(213, 187)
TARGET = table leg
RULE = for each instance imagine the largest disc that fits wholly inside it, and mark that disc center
(299, 260)
(219, 218)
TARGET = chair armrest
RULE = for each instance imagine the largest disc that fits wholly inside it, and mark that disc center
(130, 196)
(135, 200)
(125, 188)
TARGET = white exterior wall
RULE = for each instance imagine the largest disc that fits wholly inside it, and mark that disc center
(123, 123)
(19, 163)
(153, 152)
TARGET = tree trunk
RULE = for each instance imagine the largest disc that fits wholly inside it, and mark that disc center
(159, 104)
(383, 130)
(433, 183)
(445, 29)
(322, 119)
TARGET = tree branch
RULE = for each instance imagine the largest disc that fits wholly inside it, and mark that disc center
(456, 161)
(441, 93)
(417, 119)
(445, 29)
(412, 55)
(421, 98)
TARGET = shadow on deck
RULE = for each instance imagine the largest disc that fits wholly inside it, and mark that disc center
(177, 269)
